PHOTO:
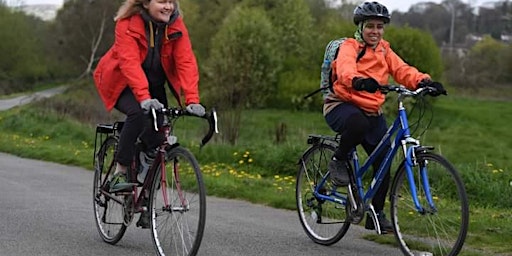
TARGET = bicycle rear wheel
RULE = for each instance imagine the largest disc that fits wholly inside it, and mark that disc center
(178, 205)
(108, 208)
(439, 231)
(323, 221)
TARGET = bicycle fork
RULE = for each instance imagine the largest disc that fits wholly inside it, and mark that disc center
(412, 161)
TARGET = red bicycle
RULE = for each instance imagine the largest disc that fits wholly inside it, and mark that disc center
(173, 190)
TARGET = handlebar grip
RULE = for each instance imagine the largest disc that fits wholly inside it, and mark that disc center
(212, 122)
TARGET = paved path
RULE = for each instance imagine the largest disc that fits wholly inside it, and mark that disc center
(24, 99)
(46, 209)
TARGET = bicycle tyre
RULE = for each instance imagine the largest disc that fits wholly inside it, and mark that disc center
(323, 221)
(177, 229)
(442, 232)
(108, 214)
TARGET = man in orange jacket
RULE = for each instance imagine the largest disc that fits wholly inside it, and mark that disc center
(354, 108)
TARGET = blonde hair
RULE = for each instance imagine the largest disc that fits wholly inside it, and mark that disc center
(129, 8)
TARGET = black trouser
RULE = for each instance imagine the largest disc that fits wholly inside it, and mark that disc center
(357, 128)
(136, 124)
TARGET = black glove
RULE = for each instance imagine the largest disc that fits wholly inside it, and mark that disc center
(439, 89)
(365, 84)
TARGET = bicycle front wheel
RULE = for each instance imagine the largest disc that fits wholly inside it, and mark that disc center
(178, 205)
(108, 208)
(436, 231)
(323, 221)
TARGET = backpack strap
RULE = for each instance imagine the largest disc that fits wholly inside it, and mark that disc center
(329, 46)
(361, 54)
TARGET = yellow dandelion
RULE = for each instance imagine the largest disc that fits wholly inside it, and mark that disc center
(241, 161)
(235, 154)
(489, 164)
(494, 171)
(249, 160)
(276, 176)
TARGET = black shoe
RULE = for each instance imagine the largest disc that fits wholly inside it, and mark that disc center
(339, 172)
(385, 224)
(143, 221)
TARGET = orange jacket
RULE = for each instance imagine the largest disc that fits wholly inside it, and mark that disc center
(376, 63)
(121, 66)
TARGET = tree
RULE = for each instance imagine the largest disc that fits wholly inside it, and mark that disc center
(242, 68)
(84, 31)
(437, 19)
(417, 48)
(487, 53)
(22, 63)
(207, 18)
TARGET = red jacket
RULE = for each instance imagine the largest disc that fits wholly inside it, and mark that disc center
(121, 66)
(376, 63)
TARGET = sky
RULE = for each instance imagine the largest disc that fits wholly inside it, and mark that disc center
(401, 5)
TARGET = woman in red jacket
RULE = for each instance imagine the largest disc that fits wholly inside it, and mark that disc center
(354, 109)
(151, 48)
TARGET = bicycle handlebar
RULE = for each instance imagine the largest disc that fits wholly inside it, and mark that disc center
(400, 89)
(172, 113)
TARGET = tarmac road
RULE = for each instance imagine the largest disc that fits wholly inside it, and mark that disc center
(46, 209)
(20, 100)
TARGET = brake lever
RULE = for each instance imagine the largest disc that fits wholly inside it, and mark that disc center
(153, 113)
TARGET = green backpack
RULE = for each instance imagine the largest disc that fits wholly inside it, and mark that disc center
(326, 76)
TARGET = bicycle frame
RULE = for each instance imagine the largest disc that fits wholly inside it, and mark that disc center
(160, 158)
(409, 145)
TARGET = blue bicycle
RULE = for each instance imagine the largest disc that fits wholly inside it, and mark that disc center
(428, 201)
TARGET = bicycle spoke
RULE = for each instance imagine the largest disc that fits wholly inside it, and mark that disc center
(322, 220)
(178, 222)
(441, 232)
(108, 208)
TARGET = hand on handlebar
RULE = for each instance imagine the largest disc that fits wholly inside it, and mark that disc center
(365, 84)
(435, 88)
(196, 109)
(151, 104)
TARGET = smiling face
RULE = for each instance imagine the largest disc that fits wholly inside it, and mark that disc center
(373, 31)
(160, 10)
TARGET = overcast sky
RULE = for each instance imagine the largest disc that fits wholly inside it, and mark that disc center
(401, 5)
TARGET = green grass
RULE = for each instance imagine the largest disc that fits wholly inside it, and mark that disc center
(472, 134)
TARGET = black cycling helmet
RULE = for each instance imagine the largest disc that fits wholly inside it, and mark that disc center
(368, 10)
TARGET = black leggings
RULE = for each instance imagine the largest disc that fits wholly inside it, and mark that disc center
(357, 128)
(136, 123)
